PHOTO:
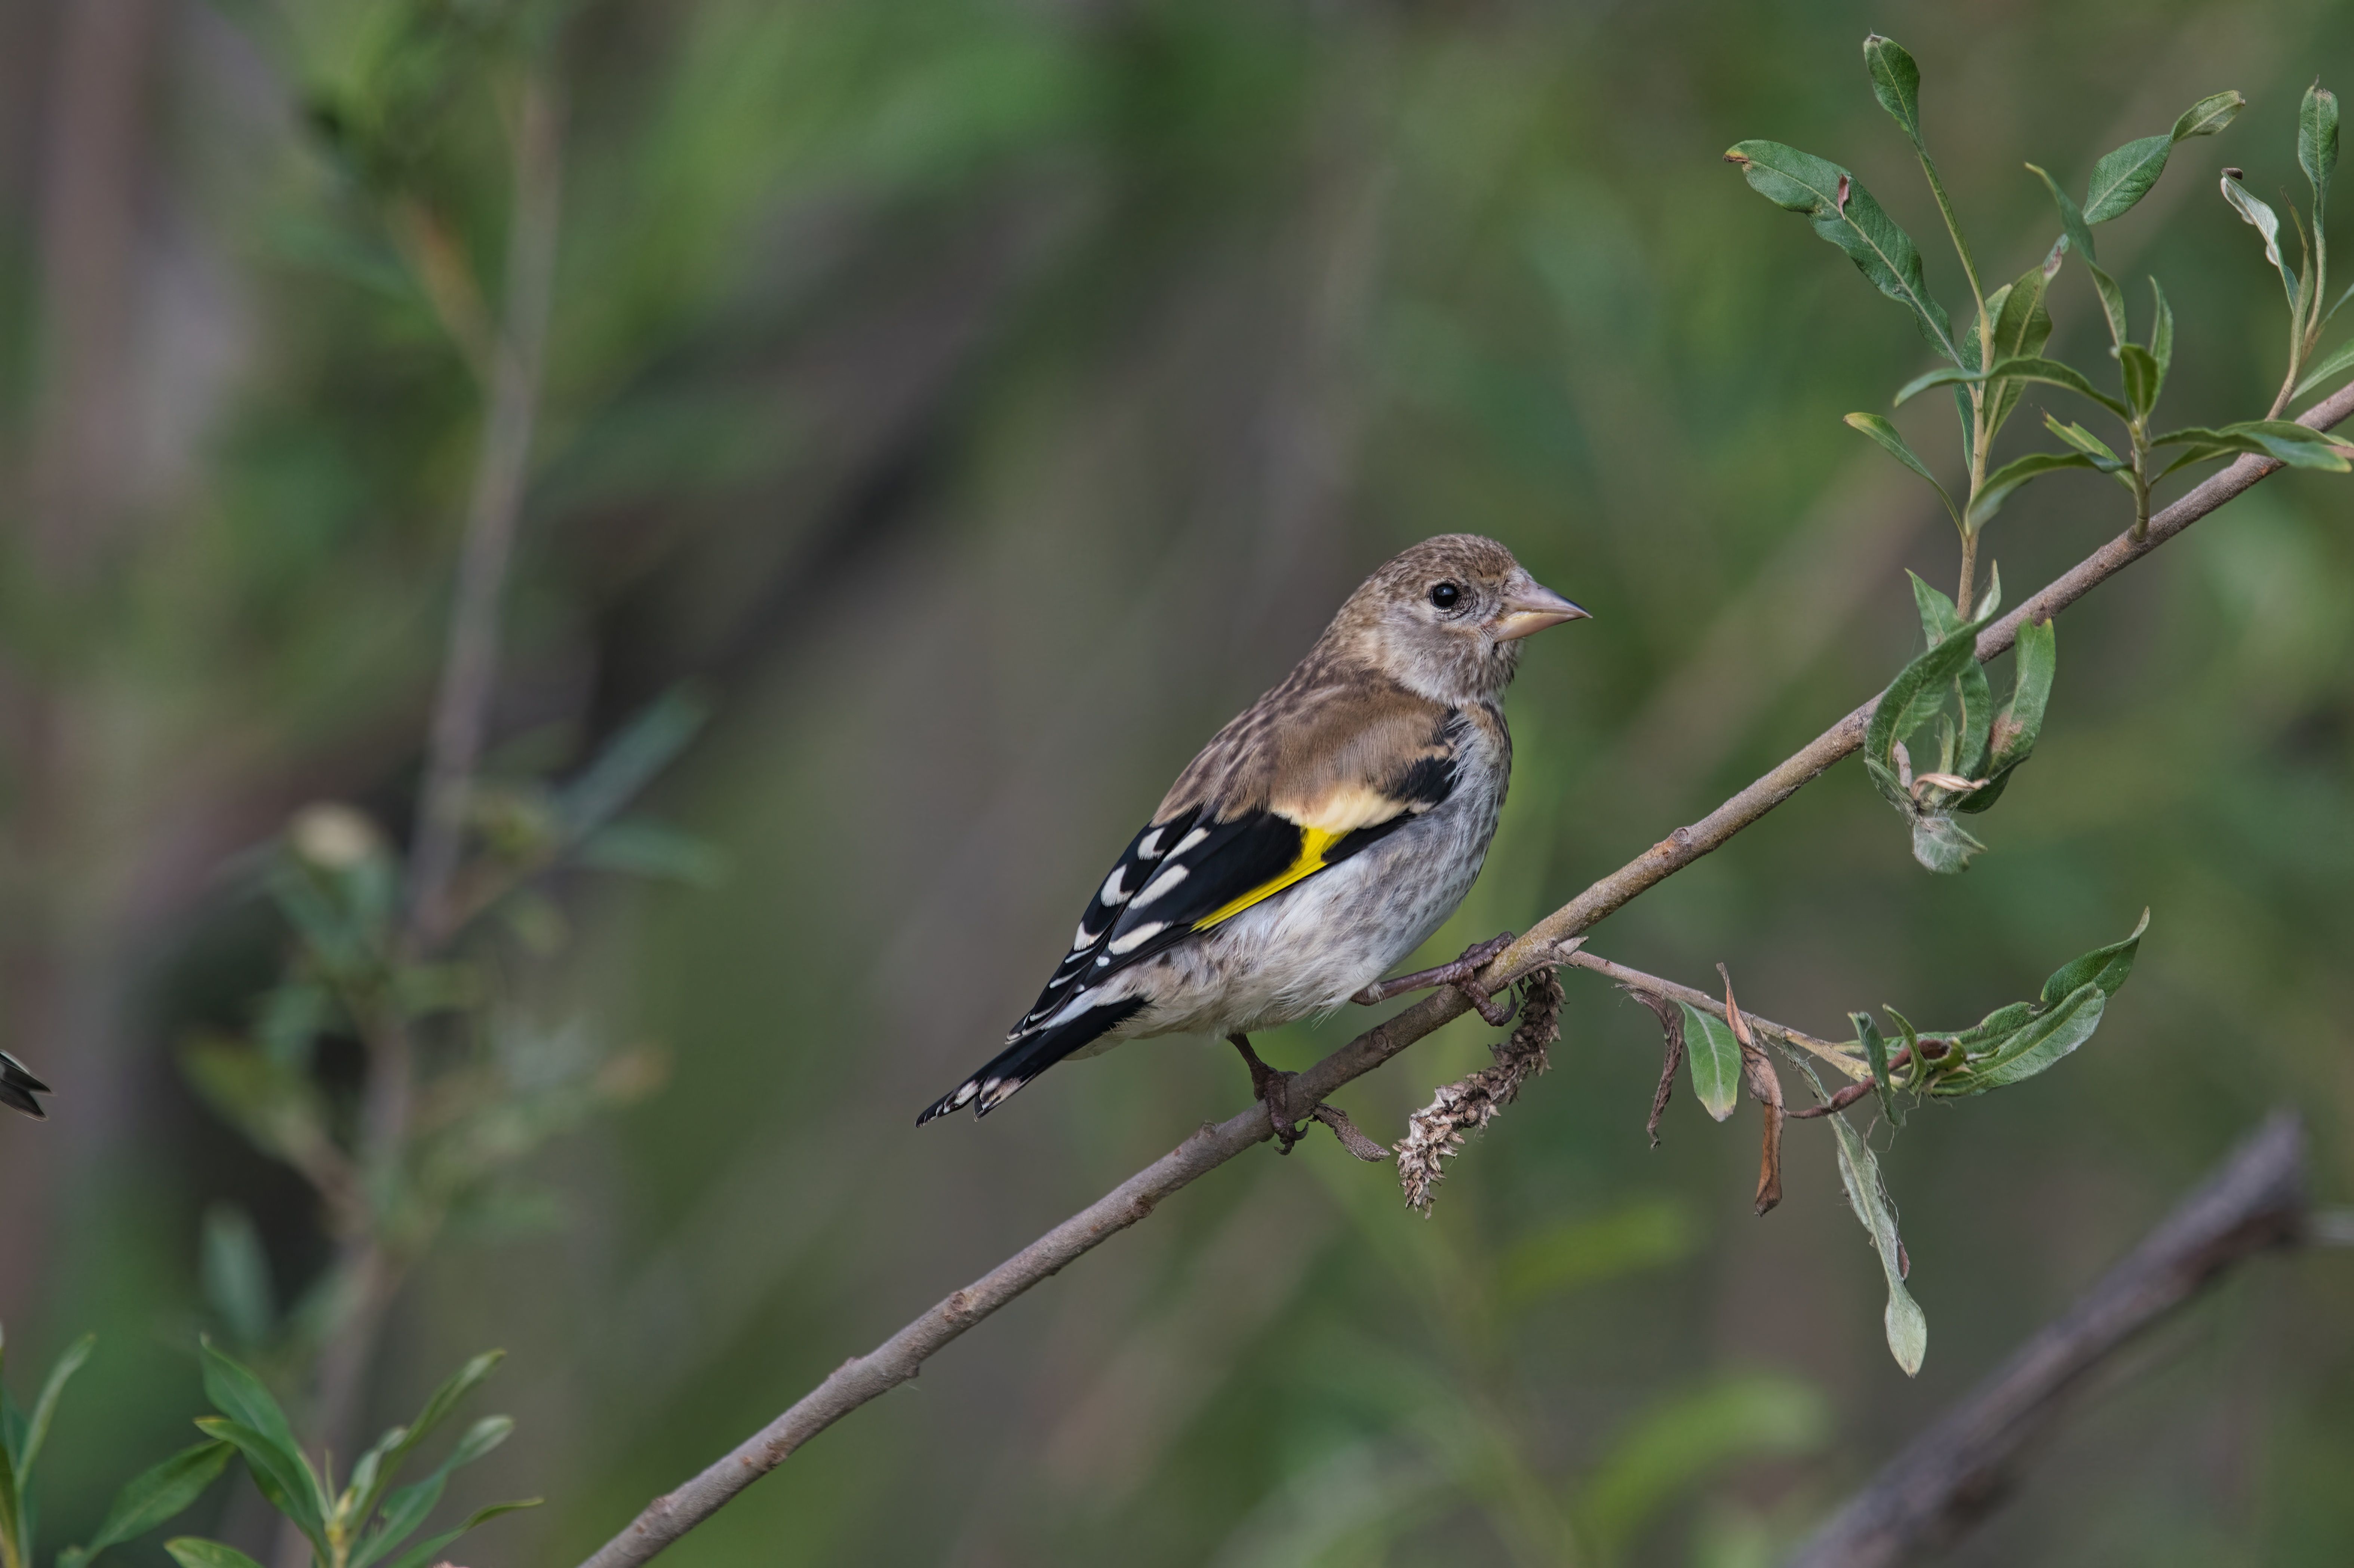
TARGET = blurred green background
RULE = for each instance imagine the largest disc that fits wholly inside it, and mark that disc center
(981, 402)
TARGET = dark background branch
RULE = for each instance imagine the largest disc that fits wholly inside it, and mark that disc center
(1961, 1468)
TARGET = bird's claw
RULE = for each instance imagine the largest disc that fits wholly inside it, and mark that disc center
(1462, 974)
(1272, 1089)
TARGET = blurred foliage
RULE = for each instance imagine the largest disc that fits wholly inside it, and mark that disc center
(984, 401)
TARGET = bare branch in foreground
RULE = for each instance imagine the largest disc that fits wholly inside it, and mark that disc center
(1954, 1473)
(900, 1357)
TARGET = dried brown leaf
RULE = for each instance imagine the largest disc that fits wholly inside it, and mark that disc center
(1765, 1087)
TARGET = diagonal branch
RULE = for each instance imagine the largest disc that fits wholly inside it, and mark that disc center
(901, 1357)
(1950, 1476)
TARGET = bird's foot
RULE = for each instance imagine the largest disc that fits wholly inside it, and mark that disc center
(1462, 974)
(1272, 1089)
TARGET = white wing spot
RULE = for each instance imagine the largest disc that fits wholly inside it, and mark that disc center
(964, 1096)
(1113, 894)
(1085, 939)
(1138, 936)
(1162, 884)
(1190, 840)
(1149, 846)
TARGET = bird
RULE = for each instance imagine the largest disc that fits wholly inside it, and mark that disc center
(1318, 838)
(17, 1088)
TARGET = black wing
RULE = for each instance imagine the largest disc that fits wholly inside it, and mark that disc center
(1177, 878)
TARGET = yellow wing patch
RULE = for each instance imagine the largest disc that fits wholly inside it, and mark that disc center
(1313, 842)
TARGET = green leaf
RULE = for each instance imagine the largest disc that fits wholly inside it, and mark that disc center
(2016, 472)
(12, 1508)
(1906, 1325)
(2022, 326)
(407, 1508)
(1937, 378)
(2330, 368)
(1800, 183)
(1896, 82)
(2161, 337)
(2300, 446)
(426, 1552)
(2107, 967)
(1889, 784)
(629, 762)
(2084, 441)
(2030, 368)
(641, 848)
(1884, 433)
(435, 1409)
(2072, 228)
(2126, 175)
(2079, 237)
(2012, 739)
(1939, 619)
(45, 1408)
(2266, 223)
(157, 1494)
(2054, 373)
(2123, 177)
(2316, 145)
(2138, 368)
(1875, 1054)
(1715, 1059)
(2044, 1041)
(1977, 719)
(283, 1474)
(240, 1395)
(236, 1274)
(191, 1552)
(1915, 694)
(2208, 115)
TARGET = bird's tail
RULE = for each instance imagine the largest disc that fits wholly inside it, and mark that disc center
(17, 1088)
(1029, 1056)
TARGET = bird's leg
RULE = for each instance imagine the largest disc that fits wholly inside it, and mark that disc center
(1460, 974)
(1273, 1090)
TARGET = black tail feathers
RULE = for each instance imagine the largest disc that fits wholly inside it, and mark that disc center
(1030, 1055)
(17, 1088)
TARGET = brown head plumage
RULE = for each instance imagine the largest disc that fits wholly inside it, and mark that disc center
(1445, 619)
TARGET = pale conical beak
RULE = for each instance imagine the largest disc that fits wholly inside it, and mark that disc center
(1532, 608)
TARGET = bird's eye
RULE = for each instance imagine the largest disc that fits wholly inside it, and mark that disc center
(1446, 596)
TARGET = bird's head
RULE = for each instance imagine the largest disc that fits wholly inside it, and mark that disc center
(1445, 618)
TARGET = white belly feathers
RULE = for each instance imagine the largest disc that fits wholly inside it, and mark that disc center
(1305, 951)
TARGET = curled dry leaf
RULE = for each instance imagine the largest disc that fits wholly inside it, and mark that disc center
(1672, 1030)
(1765, 1087)
(1435, 1132)
(1952, 781)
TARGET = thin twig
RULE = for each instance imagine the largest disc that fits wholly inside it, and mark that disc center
(900, 1357)
(1951, 1475)
(1646, 986)
(462, 707)
(371, 1267)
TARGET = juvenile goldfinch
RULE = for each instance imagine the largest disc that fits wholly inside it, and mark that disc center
(1318, 838)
